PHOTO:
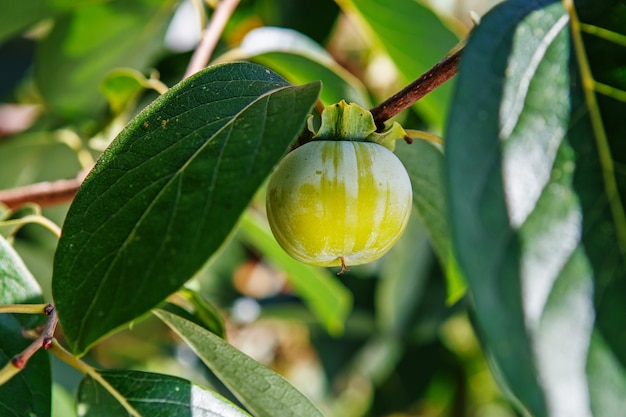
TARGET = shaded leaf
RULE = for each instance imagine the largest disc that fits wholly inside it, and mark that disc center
(152, 395)
(28, 393)
(403, 277)
(261, 390)
(167, 192)
(323, 293)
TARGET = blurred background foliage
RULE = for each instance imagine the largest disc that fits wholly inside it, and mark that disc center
(73, 73)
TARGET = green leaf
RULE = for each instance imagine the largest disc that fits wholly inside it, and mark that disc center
(28, 393)
(193, 307)
(19, 15)
(415, 40)
(403, 277)
(300, 60)
(601, 181)
(323, 293)
(512, 169)
(167, 192)
(261, 390)
(607, 379)
(17, 285)
(424, 162)
(38, 156)
(121, 86)
(152, 395)
(86, 44)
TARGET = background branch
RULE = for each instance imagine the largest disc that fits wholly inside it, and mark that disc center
(211, 35)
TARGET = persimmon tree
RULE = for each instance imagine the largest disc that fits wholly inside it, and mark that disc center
(133, 218)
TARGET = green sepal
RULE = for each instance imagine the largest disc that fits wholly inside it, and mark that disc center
(343, 121)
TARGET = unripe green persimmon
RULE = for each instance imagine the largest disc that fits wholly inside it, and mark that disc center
(338, 203)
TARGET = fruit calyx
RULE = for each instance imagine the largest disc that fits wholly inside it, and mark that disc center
(351, 122)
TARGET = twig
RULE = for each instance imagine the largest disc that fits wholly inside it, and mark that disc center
(427, 82)
(76, 363)
(44, 340)
(43, 193)
(211, 35)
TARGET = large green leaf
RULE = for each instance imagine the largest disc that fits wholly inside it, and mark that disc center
(167, 192)
(152, 395)
(415, 40)
(519, 149)
(28, 393)
(261, 390)
(301, 60)
(86, 44)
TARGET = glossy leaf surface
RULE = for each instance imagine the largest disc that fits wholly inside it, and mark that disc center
(152, 395)
(168, 191)
(261, 390)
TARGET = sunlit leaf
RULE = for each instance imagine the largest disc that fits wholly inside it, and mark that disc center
(168, 191)
(261, 390)
(152, 395)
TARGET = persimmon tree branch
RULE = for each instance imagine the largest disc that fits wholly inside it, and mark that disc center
(409, 95)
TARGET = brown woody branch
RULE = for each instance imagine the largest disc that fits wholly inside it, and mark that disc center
(42, 193)
(43, 341)
(427, 82)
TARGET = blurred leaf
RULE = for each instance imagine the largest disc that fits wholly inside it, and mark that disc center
(191, 306)
(425, 163)
(20, 15)
(261, 390)
(301, 60)
(28, 393)
(415, 40)
(89, 42)
(323, 293)
(121, 86)
(152, 395)
(607, 379)
(403, 277)
(167, 192)
(38, 156)
(525, 179)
